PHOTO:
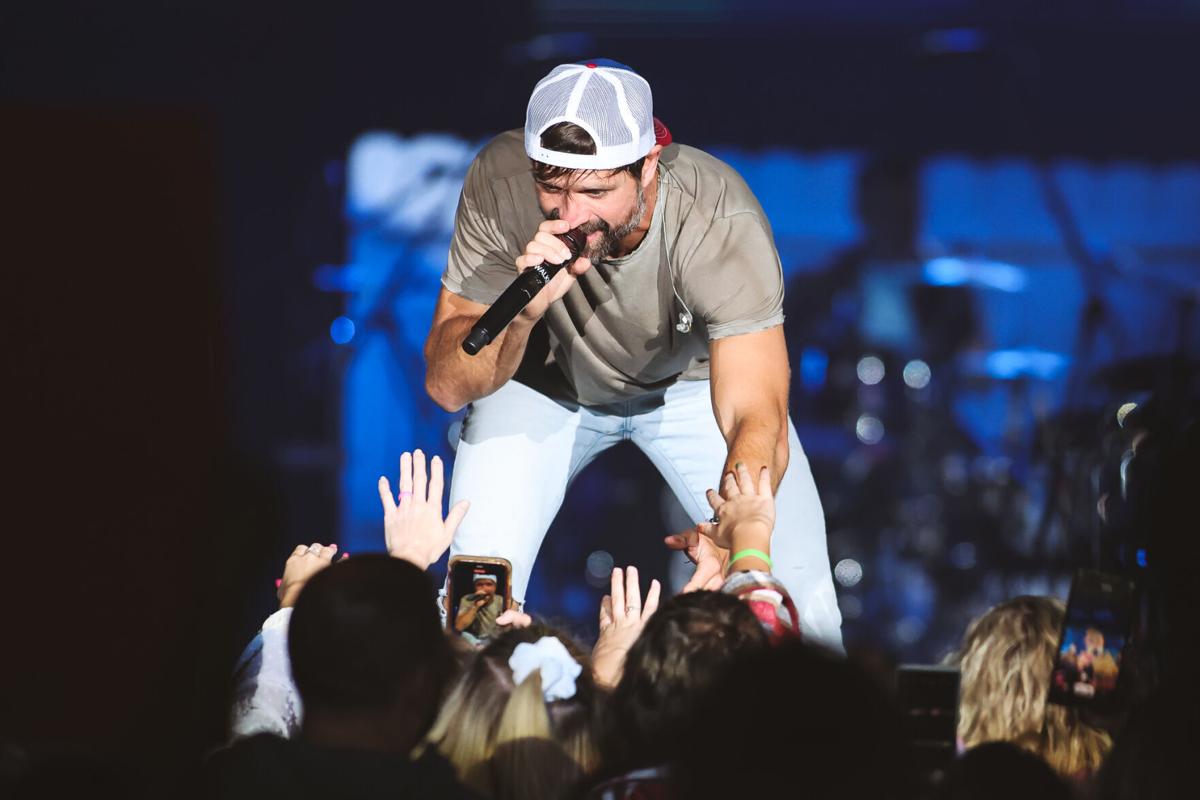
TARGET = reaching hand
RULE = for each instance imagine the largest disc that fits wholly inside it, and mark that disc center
(622, 617)
(742, 504)
(745, 510)
(513, 619)
(413, 527)
(304, 562)
(709, 558)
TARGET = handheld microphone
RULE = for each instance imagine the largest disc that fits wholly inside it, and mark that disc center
(519, 293)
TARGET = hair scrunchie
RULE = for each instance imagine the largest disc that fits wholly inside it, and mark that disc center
(550, 657)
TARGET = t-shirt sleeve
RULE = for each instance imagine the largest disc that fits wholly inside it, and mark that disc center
(734, 277)
(480, 265)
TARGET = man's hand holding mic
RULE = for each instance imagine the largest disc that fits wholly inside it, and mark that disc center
(541, 279)
(547, 248)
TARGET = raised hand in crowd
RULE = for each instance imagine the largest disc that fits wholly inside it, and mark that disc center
(304, 562)
(622, 617)
(413, 526)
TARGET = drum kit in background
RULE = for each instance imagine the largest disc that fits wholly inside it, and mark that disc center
(954, 473)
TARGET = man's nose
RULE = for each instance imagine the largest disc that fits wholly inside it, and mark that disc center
(574, 212)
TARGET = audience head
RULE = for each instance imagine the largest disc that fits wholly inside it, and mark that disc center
(794, 720)
(519, 721)
(681, 651)
(1006, 660)
(366, 644)
(1002, 771)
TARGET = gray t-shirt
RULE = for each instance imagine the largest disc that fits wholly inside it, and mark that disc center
(613, 336)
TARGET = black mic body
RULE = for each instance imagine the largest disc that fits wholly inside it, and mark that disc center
(518, 294)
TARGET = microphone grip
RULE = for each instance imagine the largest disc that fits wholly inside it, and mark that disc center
(518, 294)
(508, 305)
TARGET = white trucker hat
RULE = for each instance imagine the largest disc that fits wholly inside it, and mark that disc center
(607, 99)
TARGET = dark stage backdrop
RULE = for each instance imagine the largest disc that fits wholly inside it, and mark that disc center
(175, 396)
(114, 593)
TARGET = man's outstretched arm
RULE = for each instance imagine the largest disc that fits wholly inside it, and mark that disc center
(750, 376)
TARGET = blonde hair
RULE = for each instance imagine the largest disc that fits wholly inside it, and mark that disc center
(503, 739)
(1006, 660)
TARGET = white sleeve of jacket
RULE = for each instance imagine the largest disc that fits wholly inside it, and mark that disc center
(265, 699)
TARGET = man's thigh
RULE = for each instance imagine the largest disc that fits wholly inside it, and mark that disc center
(517, 453)
(683, 441)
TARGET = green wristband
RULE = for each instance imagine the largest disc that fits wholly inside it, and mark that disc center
(750, 551)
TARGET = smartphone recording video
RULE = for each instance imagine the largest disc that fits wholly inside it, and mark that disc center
(480, 591)
(1098, 624)
(928, 699)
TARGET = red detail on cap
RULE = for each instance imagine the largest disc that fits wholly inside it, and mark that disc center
(661, 134)
(590, 66)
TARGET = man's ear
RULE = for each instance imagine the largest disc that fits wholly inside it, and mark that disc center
(650, 166)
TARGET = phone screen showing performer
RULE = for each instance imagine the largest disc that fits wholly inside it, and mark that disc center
(480, 591)
(1097, 627)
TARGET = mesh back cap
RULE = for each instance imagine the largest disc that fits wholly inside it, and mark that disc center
(608, 100)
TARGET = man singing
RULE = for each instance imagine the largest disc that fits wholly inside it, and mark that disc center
(477, 611)
(667, 330)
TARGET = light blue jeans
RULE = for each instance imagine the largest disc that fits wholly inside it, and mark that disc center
(520, 450)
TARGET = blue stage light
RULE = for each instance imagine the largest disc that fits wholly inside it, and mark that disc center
(341, 330)
(578, 602)
(814, 364)
(1024, 362)
(950, 271)
(954, 41)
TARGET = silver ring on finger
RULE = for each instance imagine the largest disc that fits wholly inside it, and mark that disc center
(315, 549)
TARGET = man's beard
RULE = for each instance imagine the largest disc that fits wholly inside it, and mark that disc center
(610, 238)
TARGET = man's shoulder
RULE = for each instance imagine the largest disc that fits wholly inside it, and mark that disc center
(703, 162)
(706, 183)
(502, 157)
